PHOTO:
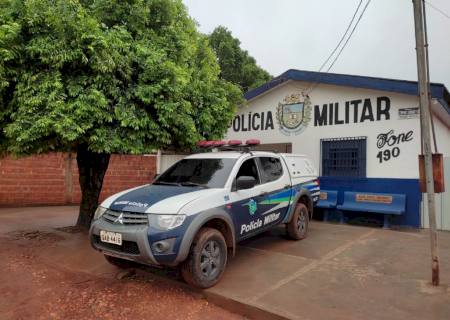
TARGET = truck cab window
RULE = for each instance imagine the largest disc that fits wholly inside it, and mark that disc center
(212, 173)
(271, 169)
(248, 168)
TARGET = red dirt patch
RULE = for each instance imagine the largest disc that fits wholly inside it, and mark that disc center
(33, 238)
(33, 289)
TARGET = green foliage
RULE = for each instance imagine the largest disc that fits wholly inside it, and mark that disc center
(236, 64)
(121, 76)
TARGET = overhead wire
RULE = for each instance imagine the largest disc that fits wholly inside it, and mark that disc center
(343, 36)
(315, 84)
(338, 45)
(437, 9)
(349, 37)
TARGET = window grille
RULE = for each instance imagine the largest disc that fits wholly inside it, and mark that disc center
(344, 157)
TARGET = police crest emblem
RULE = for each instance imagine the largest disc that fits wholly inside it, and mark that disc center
(294, 114)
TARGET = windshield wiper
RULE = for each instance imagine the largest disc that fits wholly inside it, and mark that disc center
(167, 183)
(192, 184)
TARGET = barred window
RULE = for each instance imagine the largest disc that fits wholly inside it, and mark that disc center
(344, 157)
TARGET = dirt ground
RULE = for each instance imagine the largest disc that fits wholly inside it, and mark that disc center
(33, 288)
(338, 272)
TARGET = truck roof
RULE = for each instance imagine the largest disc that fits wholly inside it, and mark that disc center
(235, 154)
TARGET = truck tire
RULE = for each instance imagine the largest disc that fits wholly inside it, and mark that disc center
(297, 228)
(121, 263)
(207, 259)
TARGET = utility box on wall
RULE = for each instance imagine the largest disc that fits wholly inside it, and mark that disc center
(438, 173)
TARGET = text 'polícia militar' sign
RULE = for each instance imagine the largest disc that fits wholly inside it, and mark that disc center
(295, 113)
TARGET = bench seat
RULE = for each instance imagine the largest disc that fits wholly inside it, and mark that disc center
(382, 203)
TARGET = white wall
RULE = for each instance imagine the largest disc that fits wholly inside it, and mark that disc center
(308, 141)
(442, 137)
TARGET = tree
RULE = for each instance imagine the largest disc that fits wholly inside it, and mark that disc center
(236, 65)
(106, 76)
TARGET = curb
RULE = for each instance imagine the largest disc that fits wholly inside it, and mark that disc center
(244, 309)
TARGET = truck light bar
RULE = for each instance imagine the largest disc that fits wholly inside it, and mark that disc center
(219, 143)
(252, 142)
(234, 143)
(206, 144)
(201, 144)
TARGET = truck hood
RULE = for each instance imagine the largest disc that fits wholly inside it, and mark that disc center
(156, 198)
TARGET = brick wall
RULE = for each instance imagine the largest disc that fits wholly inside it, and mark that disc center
(52, 179)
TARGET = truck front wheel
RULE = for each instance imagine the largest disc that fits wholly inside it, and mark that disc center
(207, 259)
(297, 228)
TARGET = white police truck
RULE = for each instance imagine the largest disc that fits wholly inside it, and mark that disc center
(195, 213)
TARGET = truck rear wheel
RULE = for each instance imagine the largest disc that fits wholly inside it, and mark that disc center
(297, 228)
(207, 259)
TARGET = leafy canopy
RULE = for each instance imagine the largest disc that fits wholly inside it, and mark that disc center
(236, 64)
(120, 76)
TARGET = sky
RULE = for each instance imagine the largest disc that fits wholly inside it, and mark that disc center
(300, 34)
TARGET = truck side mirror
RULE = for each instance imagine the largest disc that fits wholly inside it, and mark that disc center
(245, 182)
(156, 176)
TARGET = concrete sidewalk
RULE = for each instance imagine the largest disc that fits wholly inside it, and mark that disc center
(338, 272)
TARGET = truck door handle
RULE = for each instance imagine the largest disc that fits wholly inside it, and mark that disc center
(264, 193)
(288, 186)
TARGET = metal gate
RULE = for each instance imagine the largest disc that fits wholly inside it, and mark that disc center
(442, 203)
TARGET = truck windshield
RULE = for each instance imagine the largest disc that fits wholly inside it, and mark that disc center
(209, 173)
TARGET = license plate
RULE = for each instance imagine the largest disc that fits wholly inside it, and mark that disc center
(111, 237)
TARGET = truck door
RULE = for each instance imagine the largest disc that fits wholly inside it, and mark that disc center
(266, 203)
(276, 189)
(245, 209)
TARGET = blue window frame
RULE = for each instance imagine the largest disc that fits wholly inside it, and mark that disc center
(344, 157)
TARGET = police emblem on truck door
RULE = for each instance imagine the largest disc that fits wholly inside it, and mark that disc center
(252, 206)
(294, 114)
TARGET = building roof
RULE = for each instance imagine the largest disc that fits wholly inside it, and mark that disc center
(438, 90)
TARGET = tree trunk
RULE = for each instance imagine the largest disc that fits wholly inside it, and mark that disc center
(91, 169)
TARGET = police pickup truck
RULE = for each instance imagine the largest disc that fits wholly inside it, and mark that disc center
(195, 213)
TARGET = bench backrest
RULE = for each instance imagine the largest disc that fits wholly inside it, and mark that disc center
(389, 201)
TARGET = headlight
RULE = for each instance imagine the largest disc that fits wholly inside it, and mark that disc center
(166, 221)
(99, 212)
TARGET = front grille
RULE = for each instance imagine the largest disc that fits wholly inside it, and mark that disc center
(129, 247)
(128, 218)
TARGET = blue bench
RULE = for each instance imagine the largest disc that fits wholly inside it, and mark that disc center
(328, 200)
(383, 203)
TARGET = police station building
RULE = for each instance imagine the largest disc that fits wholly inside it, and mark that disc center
(362, 132)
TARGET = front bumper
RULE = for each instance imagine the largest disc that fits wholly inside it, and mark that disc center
(135, 244)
